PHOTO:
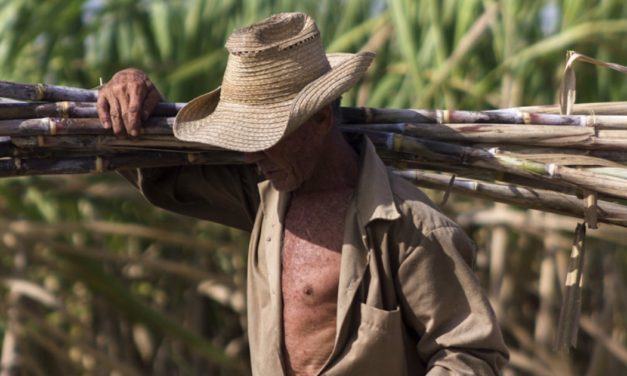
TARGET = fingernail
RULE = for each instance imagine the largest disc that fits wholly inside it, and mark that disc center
(134, 133)
(106, 125)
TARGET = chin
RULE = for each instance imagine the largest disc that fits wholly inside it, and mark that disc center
(285, 185)
(284, 188)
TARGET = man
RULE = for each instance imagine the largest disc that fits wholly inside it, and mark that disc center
(351, 271)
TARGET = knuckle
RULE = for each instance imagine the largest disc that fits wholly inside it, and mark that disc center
(117, 87)
(102, 96)
(137, 88)
(129, 115)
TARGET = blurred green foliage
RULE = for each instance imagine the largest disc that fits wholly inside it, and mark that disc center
(99, 282)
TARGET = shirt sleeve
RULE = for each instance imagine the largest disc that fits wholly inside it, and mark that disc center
(444, 304)
(222, 194)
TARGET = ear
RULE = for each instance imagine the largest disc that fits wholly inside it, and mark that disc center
(323, 119)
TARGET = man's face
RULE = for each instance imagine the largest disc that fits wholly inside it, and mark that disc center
(292, 160)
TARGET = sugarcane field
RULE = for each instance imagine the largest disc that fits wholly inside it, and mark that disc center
(356, 187)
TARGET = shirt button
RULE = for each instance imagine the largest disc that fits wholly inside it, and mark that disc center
(268, 238)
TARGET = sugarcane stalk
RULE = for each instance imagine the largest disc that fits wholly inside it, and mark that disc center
(439, 138)
(592, 181)
(589, 180)
(607, 143)
(612, 134)
(573, 137)
(596, 108)
(540, 199)
(99, 143)
(48, 93)
(475, 133)
(513, 194)
(434, 151)
(610, 171)
(367, 115)
(51, 126)
(568, 323)
(44, 92)
(487, 175)
(67, 109)
(110, 162)
(563, 156)
(349, 115)
(536, 135)
(74, 147)
(493, 159)
(77, 126)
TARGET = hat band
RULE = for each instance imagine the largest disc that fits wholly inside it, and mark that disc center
(273, 76)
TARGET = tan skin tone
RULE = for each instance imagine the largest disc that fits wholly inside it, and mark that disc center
(320, 168)
(126, 100)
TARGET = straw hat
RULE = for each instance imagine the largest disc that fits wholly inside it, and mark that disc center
(277, 76)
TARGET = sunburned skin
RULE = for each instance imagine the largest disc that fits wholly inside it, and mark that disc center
(312, 245)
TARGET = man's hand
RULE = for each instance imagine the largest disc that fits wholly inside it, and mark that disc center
(126, 100)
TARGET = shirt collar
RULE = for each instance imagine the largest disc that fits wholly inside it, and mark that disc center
(374, 196)
(373, 193)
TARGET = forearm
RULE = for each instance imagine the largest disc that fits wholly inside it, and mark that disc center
(222, 194)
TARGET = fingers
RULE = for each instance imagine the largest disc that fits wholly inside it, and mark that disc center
(126, 100)
(110, 112)
(152, 99)
(103, 111)
(115, 113)
(131, 118)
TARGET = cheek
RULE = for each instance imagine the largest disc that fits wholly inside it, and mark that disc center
(305, 163)
(288, 155)
(298, 155)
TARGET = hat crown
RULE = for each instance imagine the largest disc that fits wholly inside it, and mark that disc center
(277, 32)
(272, 61)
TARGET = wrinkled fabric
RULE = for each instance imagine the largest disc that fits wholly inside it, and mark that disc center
(408, 300)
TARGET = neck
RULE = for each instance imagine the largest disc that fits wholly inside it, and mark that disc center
(338, 167)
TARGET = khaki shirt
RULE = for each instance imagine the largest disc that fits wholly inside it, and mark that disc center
(408, 301)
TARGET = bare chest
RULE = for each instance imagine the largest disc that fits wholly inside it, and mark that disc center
(311, 259)
(312, 244)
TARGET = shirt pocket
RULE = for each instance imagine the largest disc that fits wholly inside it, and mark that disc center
(377, 319)
(377, 346)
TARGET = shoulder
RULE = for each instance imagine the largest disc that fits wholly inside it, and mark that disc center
(416, 208)
(423, 225)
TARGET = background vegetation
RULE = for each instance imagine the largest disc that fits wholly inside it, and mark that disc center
(93, 280)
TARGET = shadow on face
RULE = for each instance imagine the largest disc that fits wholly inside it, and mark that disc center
(292, 161)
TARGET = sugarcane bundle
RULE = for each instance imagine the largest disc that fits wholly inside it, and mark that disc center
(531, 157)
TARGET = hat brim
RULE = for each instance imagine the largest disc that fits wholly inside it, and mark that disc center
(250, 128)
